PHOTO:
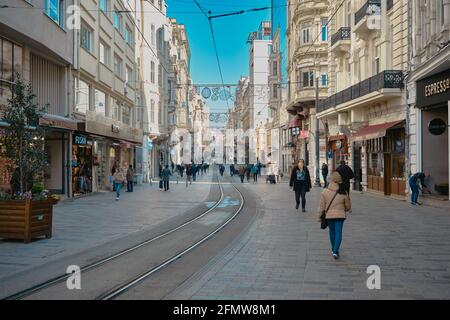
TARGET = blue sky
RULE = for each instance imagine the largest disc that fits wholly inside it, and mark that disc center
(230, 32)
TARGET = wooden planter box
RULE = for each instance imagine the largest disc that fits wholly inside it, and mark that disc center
(26, 219)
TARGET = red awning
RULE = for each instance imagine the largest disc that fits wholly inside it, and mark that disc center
(373, 132)
(337, 137)
(295, 123)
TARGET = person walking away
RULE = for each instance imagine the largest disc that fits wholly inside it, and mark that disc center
(347, 174)
(188, 174)
(301, 183)
(119, 180)
(165, 177)
(232, 170)
(416, 183)
(248, 171)
(130, 174)
(221, 169)
(336, 202)
(194, 172)
(172, 166)
(325, 174)
(242, 173)
(255, 170)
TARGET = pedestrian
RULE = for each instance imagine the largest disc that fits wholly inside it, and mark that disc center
(119, 181)
(336, 204)
(248, 171)
(242, 173)
(194, 172)
(325, 174)
(172, 166)
(301, 183)
(417, 183)
(113, 170)
(232, 170)
(347, 174)
(188, 174)
(221, 169)
(166, 177)
(130, 174)
(161, 185)
(255, 170)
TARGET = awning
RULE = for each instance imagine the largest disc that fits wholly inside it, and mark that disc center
(295, 123)
(337, 137)
(375, 131)
(60, 122)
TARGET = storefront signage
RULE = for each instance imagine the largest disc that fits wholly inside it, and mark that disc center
(79, 139)
(115, 128)
(434, 90)
(437, 126)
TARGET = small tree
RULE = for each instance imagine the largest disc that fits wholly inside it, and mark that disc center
(23, 138)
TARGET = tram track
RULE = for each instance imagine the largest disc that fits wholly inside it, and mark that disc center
(132, 281)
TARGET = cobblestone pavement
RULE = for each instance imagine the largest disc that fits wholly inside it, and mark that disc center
(285, 254)
(98, 219)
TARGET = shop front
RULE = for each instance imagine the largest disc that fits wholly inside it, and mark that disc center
(58, 133)
(433, 103)
(337, 150)
(113, 144)
(82, 162)
(384, 146)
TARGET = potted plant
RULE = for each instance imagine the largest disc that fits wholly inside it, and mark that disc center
(26, 211)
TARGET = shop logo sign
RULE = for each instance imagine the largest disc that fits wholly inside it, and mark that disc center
(80, 140)
(437, 126)
(115, 128)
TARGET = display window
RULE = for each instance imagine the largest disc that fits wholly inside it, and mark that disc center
(82, 160)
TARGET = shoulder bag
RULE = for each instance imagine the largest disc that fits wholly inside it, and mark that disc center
(323, 217)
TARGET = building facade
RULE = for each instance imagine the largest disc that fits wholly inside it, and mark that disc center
(38, 45)
(307, 74)
(365, 112)
(105, 88)
(428, 86)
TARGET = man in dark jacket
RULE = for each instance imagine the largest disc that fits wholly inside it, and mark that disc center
(301, 183)
(347, 174)
(165, 174)
(325, 174)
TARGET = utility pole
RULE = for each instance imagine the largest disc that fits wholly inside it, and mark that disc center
(317, 138)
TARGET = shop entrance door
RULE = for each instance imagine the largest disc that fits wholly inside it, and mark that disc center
(387, 174)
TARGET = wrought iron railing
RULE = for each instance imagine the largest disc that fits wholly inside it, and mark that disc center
(389, 79)
(371, 7)
(343, 33)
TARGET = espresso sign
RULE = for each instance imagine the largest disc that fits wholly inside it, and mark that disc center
(437, 126)
(434, 90)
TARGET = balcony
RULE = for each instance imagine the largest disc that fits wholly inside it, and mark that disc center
(368, 18)
(389, 79)
(340, 41)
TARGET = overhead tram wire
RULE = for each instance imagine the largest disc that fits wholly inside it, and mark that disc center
(214, 42)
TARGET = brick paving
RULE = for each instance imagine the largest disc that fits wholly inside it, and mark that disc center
(285, 254)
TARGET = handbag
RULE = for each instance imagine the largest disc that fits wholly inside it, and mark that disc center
(323, 217)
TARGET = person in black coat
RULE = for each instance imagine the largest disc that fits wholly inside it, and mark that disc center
(301, 183)
(347, 174)
(325, 174)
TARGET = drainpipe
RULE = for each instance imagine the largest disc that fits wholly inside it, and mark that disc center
(408, 120)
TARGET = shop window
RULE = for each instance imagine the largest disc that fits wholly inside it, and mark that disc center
(100, 102)
(375, 165)
(398, 166)
(10, 64)
(82, 97)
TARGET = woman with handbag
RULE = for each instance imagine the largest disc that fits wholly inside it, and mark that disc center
(301, 183)
(334, 207)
